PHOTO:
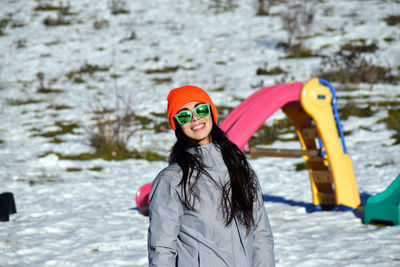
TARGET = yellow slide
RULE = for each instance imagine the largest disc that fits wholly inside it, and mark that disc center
(332, 176)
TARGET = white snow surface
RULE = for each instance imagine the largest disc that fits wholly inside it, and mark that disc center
(86, 217)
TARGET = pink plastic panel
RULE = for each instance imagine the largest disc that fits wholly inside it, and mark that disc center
(245, 119)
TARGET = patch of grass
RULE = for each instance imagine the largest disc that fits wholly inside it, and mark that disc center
(218, 89)
(365, 128)
(388, 39)
(112, 129)
(96, 169)
(361, 48)
(72, 169)
(266, 71)
(160, 115)
(144, 121)
(34, 130)
(263, 7)
(45, 89)
(3, 25)
(392, 20)
(347, 88)
(21, 43)
(115, 75)
(52, 43)
(167, 69)
(118, 7)
(347, 133)
(59, 107)
(380, 165)
(298, 51)
(132, 36)
(220, 63)
(85, 69)
(65, 128)
(41, 178)
(351, 109)
(46, 6)
(354, 68)
(76, 169)
(109, 155)
(161, 127)
(221, 6)
(18, 24)
(78, 80)
(49, 91)
(301, 166)
(393, 122)
(58, 21)
(56, 141)
(266, 135)
(155, 59)
(388, 103)
(21, 102)
(162, 80)
(101, 24)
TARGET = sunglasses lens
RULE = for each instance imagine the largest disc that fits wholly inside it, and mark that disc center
(202, 111)
(184, 117)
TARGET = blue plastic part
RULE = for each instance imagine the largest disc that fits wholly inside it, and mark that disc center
(313, 208)
(335, 112)
(321, 146)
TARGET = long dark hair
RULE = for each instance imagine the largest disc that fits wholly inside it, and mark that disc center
(238, 194)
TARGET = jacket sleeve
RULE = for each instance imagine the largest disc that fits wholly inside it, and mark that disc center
(263, 246)
(164, 214)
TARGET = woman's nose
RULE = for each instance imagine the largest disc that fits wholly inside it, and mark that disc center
(195, 117)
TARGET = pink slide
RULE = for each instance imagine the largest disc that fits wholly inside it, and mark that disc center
(246, 118)
(142, 199)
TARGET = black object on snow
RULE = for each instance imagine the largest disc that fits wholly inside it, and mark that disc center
(7, 206)
(4, 210)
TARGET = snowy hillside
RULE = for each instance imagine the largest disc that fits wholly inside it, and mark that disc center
(65, 65)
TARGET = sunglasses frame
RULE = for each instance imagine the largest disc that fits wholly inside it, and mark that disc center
(191, 113)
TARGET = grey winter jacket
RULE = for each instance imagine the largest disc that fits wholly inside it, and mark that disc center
(181, 237)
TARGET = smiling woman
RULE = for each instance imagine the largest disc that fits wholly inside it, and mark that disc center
(206, 207)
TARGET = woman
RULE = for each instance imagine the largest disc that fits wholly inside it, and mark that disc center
(206, 207)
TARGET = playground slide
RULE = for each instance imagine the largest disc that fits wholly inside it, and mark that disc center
(235, 114)
(384, 207)
(244, 120)
(142, 199)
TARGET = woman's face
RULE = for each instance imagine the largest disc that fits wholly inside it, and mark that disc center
(198, 129)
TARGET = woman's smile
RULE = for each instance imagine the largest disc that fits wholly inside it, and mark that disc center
(198, 127)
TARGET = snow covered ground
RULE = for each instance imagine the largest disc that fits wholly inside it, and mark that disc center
(81, 213)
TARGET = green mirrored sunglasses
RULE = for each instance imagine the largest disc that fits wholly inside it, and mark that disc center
(185, 116)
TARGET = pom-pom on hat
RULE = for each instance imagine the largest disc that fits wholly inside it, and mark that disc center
(182, 95)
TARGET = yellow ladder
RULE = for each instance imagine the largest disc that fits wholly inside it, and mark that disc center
(332, 176)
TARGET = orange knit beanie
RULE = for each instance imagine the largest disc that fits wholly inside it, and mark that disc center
(180, 96)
